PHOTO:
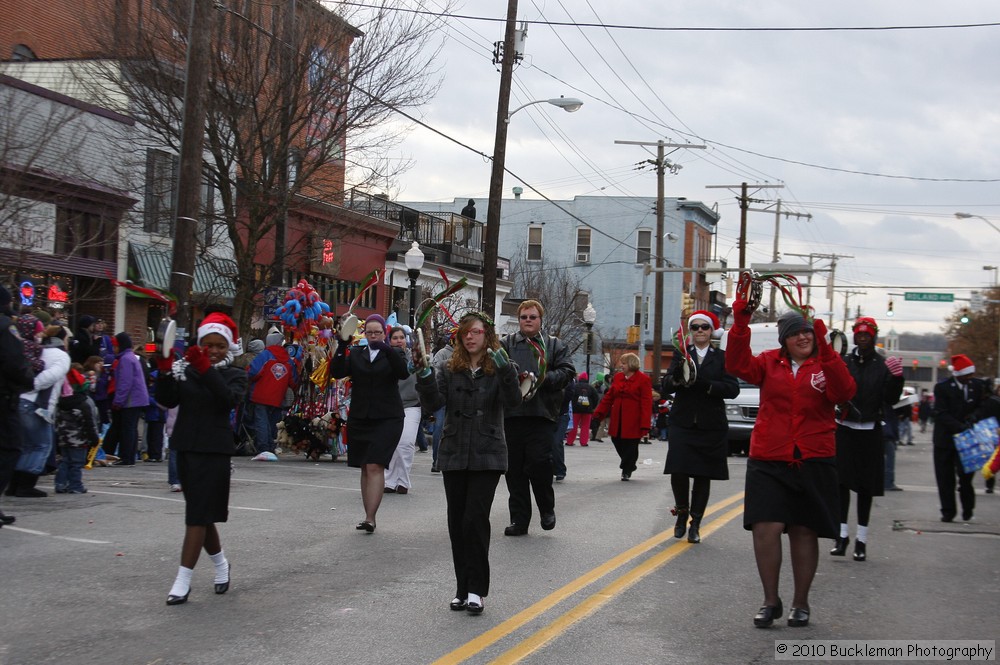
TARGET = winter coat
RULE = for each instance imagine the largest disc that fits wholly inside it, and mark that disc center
(271, 374)
(475, 405)
(629, 403)
(585, 397)
(16, 377)
(374, 385)
(876, 387)
(796, 412)
(130, 382)
(77, 422)
(701, 405)
(547, 401)
(204, 403)
(50, 381)
(954, 408)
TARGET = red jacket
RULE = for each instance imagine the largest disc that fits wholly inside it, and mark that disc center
(272, 373)
(795, 411)
(629, 402)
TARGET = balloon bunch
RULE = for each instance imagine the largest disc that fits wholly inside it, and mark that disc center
(302, 310)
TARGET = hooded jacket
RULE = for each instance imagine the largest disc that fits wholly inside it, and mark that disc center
(271, 374)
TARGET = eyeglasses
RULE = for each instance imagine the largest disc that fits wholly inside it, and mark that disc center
(528, 317)
(475, 332)
(695, 326)
(374, 332)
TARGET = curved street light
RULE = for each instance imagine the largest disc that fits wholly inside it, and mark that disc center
(969, 215)
(568, 104)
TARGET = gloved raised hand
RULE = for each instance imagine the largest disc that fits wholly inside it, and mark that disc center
(741, 315)
(894, 365)
(822, 336)
(381, 345)
(500, 357)
(198, 359)
(165, 365)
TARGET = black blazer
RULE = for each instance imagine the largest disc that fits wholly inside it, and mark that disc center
(953, 411)
(205, 402)
(374, 385)
(701, 405)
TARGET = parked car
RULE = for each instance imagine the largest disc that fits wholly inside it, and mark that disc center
(741, 411)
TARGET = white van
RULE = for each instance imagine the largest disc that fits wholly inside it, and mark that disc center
(741, 411)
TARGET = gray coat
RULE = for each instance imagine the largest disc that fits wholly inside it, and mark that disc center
(547, 402)
(473, 438)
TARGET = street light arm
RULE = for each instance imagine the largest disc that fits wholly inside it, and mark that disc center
(969, 215)
(568, 104)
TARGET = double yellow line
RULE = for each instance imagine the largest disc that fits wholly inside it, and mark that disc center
(591, 603)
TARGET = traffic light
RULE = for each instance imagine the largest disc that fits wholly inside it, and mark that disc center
(964, 319)
(687, 304)
(889, 312)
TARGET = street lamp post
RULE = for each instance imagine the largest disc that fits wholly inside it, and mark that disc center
(969, 215)
(589, 317)
(492, 241)
(414, 260)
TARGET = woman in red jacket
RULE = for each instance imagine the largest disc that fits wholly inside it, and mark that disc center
(791, 478)
(629, 403)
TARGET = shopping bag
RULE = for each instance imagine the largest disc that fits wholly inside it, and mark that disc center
(976, 444)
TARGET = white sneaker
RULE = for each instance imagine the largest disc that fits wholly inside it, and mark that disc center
(175, 488)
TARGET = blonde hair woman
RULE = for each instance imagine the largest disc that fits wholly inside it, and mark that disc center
(629, 405)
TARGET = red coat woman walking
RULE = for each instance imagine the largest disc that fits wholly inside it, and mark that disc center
(629, 404)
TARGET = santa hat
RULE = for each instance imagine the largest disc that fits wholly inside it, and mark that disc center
(220, 324)
(865, 324)
(707, 317)
(961, 365)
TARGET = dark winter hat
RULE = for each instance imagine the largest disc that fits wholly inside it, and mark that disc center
(123, 341)
(86, 321)
(790, 323)
(5, 300)
(379, 319)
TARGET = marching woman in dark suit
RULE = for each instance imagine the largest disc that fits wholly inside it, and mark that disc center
(475, 388)
(699, 429)
(206, 388)
(375, 420)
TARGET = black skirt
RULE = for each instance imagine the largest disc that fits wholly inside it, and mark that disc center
(803, 493)
(861, 459)
(699, 453)
(372, 440)
(205, 482)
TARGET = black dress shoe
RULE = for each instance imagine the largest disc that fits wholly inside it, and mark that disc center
(947, 518)
(458, 604)
(474, 608)
(966, 515)
(694, 533)
(221, 588)
(515, 530)
(798, 617)
(767, 614)
(859, 551)
(680, 527)
(840, 546)
(389, 490)
(626, 475)
(7, 519)
(549, 521)
(366, 526)
(178, 600)
(402, 490)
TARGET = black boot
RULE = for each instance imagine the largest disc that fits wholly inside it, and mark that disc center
(680, 528)
(840, 546)
(860, 554)
(694, 531)
(26, 488)
(15, 478)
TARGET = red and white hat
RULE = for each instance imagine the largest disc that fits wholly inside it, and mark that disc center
(865, 324)
(707, 317)
(219, 323)
(962, 365)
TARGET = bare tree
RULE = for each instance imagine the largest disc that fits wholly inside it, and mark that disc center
(560, 292)
(292, 92)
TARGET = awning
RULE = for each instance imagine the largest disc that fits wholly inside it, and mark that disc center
(213, 276)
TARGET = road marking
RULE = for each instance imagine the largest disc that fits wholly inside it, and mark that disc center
(167, 498)
(49, 535)
(593, 602)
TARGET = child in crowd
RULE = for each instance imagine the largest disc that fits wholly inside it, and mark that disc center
(77, 427)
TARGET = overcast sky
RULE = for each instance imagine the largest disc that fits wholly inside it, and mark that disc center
(816, 111)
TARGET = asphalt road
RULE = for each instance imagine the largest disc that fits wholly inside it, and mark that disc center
(85, 577)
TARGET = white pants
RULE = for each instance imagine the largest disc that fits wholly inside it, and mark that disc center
(397, 474)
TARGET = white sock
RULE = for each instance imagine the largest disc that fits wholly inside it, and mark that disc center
(473, 598)
(182, 585)
(221, 567)
(862, 534)
(843, 530)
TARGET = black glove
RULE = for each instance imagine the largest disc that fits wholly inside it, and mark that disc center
(678, 374)
(381, 345)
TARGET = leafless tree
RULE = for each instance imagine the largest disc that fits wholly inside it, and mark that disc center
(560, 292)
(294, 103)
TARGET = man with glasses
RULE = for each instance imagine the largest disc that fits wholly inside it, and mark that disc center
(530, 427)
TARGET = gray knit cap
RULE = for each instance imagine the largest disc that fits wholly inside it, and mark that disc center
(789, 323)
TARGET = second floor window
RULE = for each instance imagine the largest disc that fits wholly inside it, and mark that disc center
(643, 245)
(161, 181)
(583, 245)
(535, 243)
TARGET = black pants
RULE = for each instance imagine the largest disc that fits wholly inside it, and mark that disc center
(469, 495)
(628, 451)
(700, 492)
(948, 467)
(8, 460)
(529, 465)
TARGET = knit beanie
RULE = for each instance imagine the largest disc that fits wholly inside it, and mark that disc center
(789, 323)
(376, 317)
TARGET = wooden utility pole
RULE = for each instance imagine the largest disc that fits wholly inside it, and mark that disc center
(661, 165)
(745, 202)
(189, 177)
(490, 251)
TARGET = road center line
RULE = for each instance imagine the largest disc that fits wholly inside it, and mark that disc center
(167, 498)
(528, 614)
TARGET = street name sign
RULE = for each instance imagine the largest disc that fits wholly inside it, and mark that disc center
(929, 297)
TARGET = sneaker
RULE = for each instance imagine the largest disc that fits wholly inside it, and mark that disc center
(62, 490)
(175, 488)
(559, 479)
(82, 490)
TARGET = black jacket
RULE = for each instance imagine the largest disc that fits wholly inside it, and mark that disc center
(701, 405)
(953, 409)
(374, 385)
(876, 387)
(584, 392)
(205, 402)
(560, 371)
(16, 377)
